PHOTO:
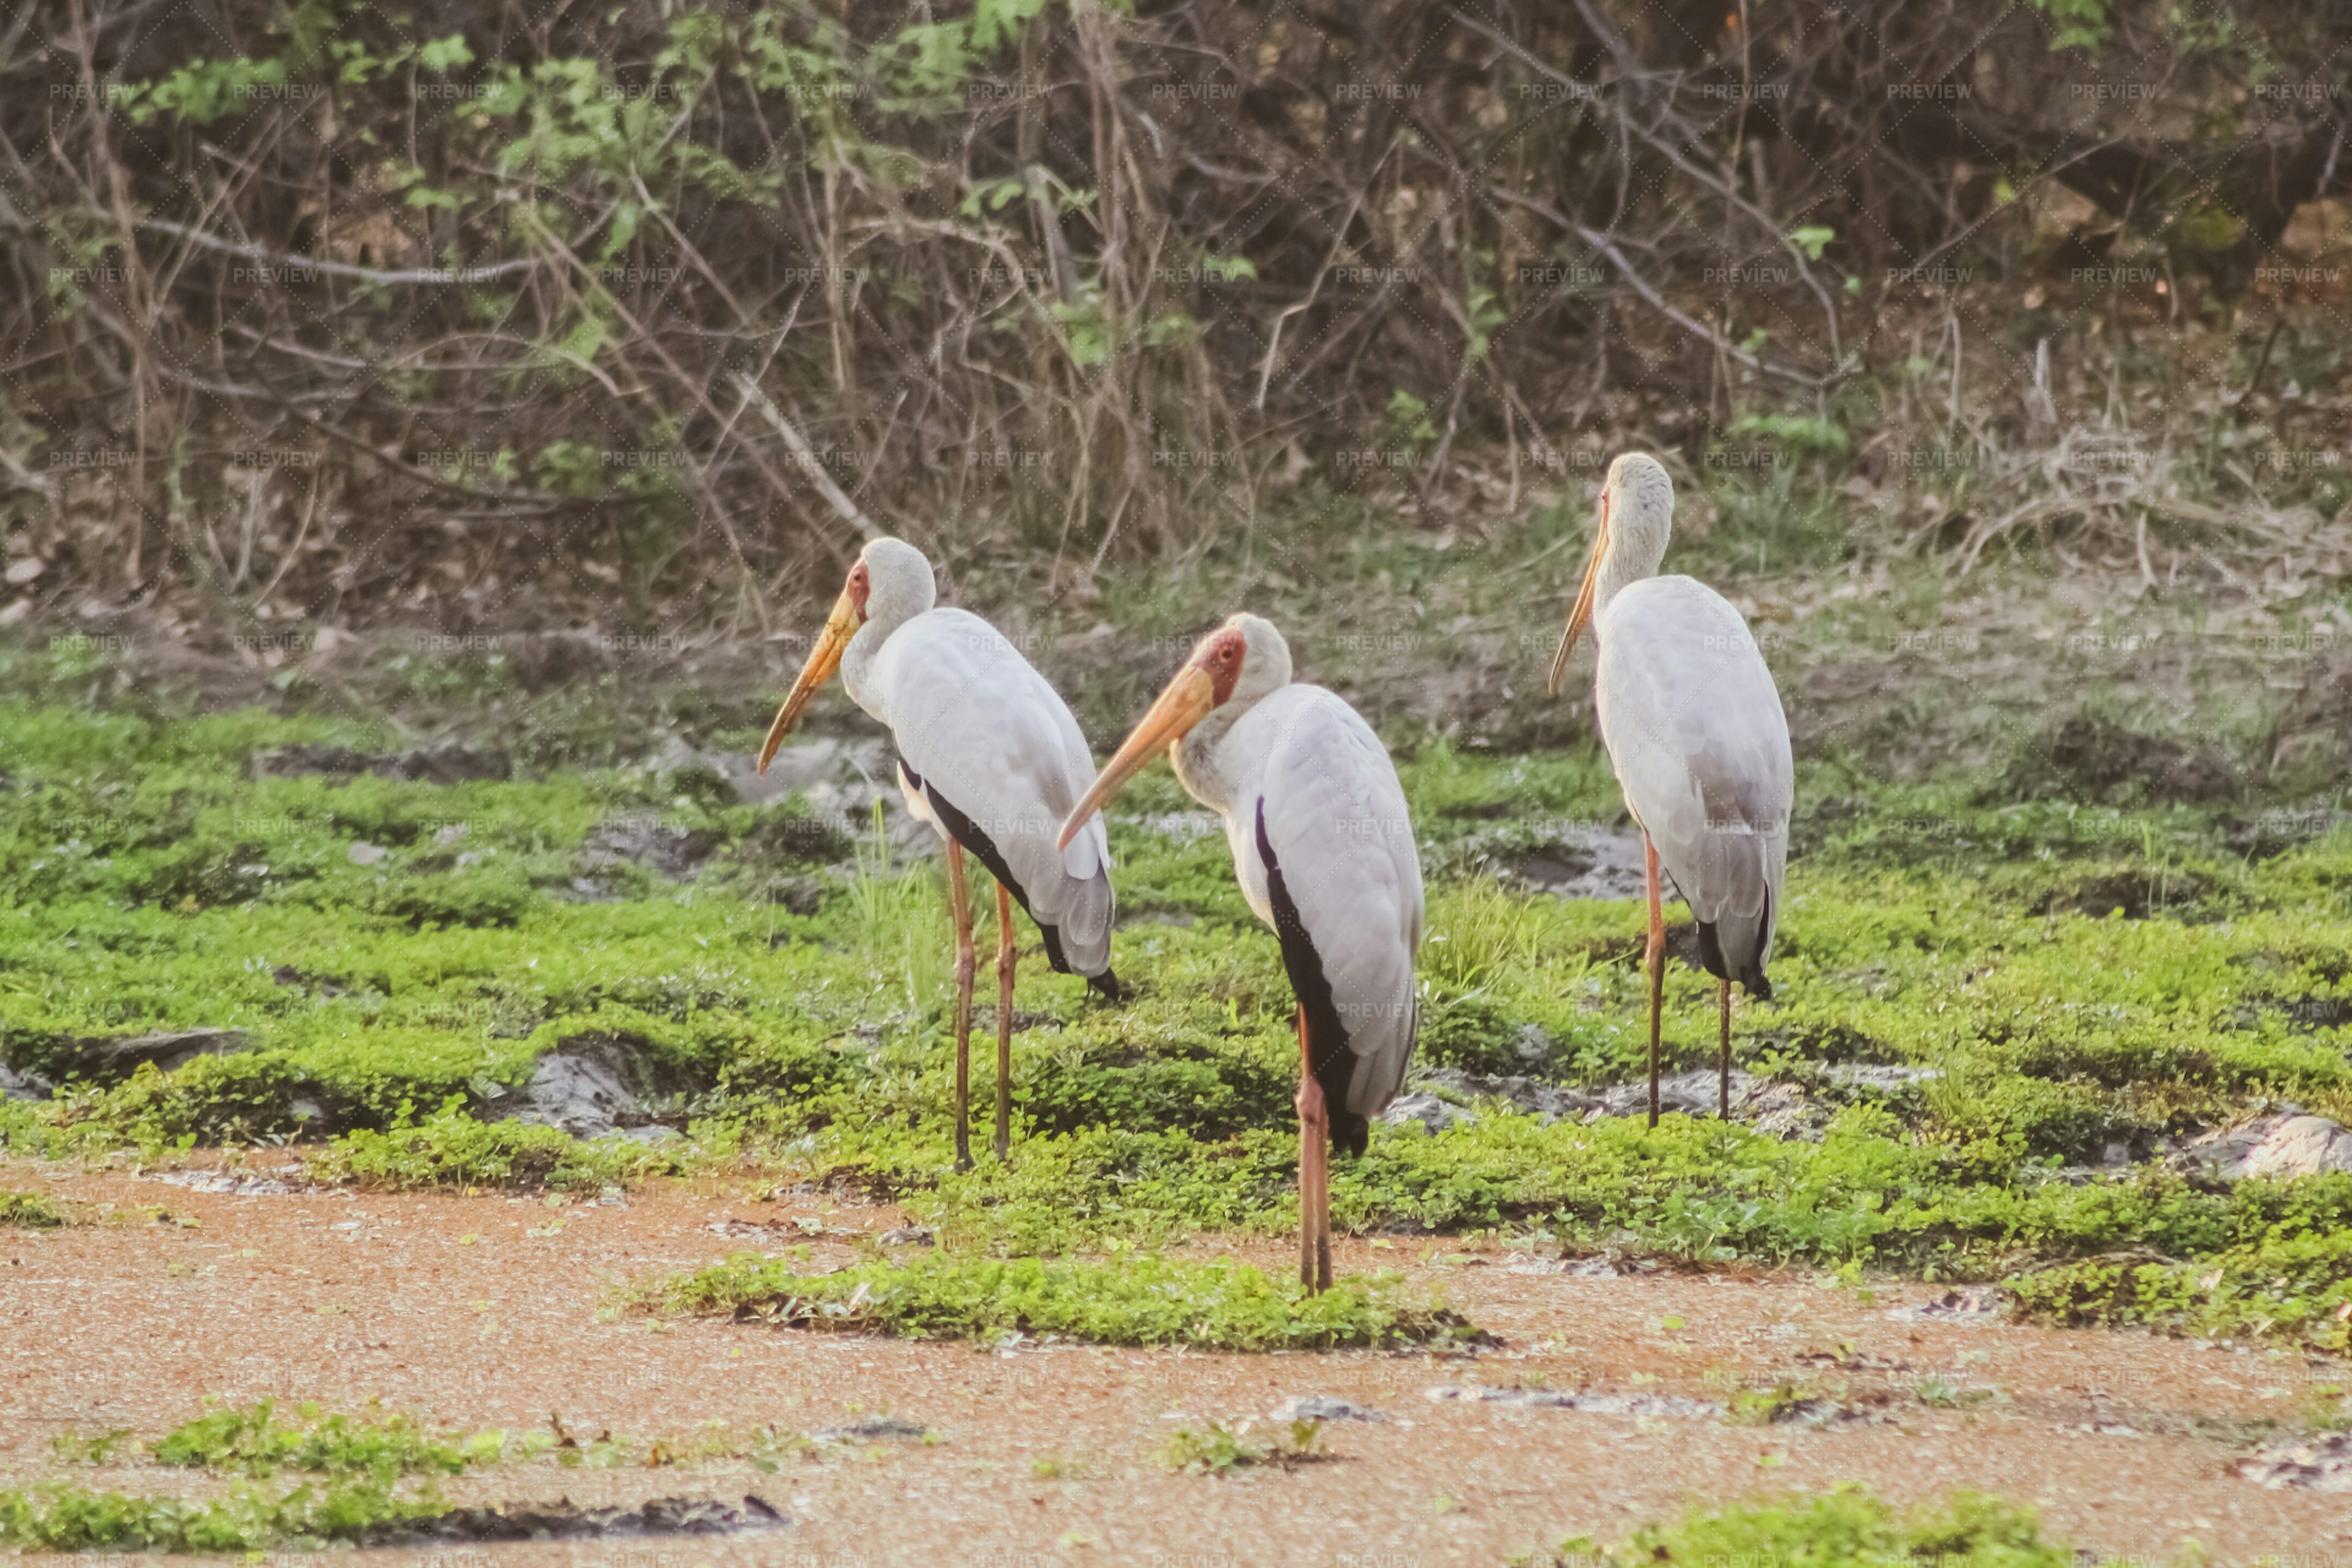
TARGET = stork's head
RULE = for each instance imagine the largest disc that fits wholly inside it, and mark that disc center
(1230, 671)
(889, 584)
(1629, 540)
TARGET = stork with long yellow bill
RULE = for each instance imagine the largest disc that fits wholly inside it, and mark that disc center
(992, 757)
(1694, 728)
(1324, 850)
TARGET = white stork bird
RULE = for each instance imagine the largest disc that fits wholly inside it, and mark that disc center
(1324, 850)
(1694, 728)
(992, 757)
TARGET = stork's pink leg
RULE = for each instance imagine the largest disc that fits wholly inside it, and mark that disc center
(1005, 961)
(1314, 1172)
(1657, 956)
(1723, 1014)
(960, 904)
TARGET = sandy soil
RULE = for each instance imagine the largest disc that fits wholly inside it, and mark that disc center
(453, 1305)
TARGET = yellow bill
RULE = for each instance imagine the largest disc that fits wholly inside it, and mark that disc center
(823, 660)
(1187, 701)
(1582, 615)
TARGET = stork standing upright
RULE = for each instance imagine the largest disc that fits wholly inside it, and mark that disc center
(1323, 846)
(992, 757)
(1694, 728)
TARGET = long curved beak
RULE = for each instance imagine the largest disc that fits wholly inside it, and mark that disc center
(1185, 703)
(823, 660)
(1582, 614)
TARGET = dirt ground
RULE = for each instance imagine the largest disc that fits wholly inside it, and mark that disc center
(453, 1306)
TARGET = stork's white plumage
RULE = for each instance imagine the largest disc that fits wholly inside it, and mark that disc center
(992, 757)
(1323, 845)
(1694, 727)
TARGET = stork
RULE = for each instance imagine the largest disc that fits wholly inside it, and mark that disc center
(992, 757)
(1693, 725)
(1323, 848)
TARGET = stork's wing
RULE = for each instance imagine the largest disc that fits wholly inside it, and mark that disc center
(1002, 761)
(1343, 886)
(1694, 726)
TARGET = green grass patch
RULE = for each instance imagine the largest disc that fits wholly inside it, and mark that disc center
(1141, 1300)
(2285, 1271)
(1843, 1529)
(65, 1517)
(257, 1441)
(453, 1152)
(31, 1211)
(2058, 976)
(1217, 1449)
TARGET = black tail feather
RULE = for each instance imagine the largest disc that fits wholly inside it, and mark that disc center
(1710, 958)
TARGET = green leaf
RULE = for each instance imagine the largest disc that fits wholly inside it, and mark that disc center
(446, 54)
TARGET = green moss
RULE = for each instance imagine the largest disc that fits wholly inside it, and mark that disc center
(257, 1441)
(1142, 1301)
(1946, 926)
(60, 1517)
(1843, 1529)
(453, 1150)
(2284, 1269)
(30, 1210)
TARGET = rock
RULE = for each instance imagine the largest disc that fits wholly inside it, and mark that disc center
(1323, 1407)
(363, 854)
(588, 1086)
(653, 1134)
(1534, 1096)
(791, 768)
(2284, 1142)
(567, 1520)
(1876, 1075)
(235, 1182)
(872, 1429)
(445, 766)
(1975, 1304)
(23, 1084)
(169, 1050)
(654, 842)
(434, 764)
(303, 762)
(2322, 1463)
(1637, 1405)
(1693, 1093)
(1426, 1109)
(1586, 860)
(2302, 1146)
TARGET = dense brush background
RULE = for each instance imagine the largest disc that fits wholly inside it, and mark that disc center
(494, 319)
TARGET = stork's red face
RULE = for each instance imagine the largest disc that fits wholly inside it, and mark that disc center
(1220, 655)
(1204, 684)
(824, 656)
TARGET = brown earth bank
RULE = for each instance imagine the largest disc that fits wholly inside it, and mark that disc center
(479, 1312)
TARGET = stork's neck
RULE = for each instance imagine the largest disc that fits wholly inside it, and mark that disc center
(858, 659)
(1205, 762)
(1636, 550)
